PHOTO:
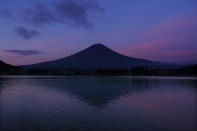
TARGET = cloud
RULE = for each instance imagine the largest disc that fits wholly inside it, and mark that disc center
(6, 14)
(71, 12)
(25, 52)
(172, 41)
(38, 15)
(25, 33)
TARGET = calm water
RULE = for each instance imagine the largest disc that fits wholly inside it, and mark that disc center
(97, 103)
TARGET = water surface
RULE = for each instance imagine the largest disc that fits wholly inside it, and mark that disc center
(97, 103)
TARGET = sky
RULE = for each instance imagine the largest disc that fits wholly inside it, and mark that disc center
(33, 31)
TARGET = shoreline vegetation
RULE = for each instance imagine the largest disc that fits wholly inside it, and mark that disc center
(190, 70)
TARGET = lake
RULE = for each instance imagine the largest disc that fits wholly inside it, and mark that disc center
(89, 103)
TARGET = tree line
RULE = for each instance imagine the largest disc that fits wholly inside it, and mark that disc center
(136, 71)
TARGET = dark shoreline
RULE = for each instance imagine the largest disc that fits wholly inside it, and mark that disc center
(135, 71)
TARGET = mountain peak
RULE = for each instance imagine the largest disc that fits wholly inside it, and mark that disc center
(98, 48)
(98, 45)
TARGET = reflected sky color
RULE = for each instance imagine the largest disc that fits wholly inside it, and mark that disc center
(97, 103)
(160, 30)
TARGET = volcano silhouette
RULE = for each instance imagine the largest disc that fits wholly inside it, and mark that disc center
(96, 56)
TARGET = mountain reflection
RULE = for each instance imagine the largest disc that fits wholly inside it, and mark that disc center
(95, 91)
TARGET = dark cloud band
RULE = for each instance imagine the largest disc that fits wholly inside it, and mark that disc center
(25, 52)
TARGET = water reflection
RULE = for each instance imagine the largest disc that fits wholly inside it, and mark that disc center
(97, 103)
(96, 91)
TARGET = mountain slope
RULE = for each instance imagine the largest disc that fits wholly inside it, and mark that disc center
(4, 68)
(95, 57)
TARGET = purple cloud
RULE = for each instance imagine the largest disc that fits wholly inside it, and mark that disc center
(25, 33)
(25, 52)
(71, 12)
(173, 41)
(6, 14)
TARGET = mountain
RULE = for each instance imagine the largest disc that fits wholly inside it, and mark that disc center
(96, 56)
(6, 68)
(190, 63)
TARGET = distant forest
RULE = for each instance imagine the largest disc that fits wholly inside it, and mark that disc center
(135, 71)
